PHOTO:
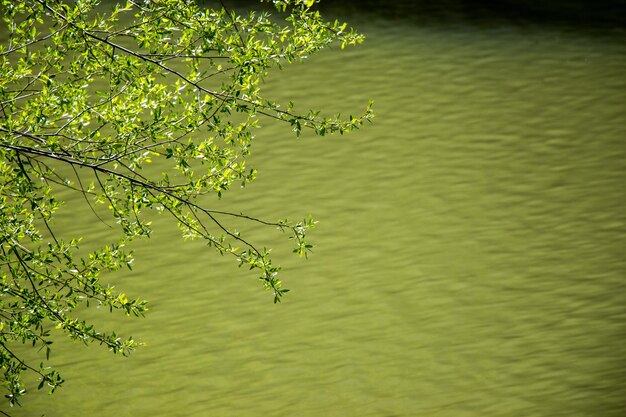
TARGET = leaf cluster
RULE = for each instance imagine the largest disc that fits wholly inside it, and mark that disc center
(145, 106)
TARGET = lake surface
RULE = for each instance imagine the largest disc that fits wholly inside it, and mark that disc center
(470, 258)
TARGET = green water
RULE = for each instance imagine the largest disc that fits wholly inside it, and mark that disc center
(470, 257)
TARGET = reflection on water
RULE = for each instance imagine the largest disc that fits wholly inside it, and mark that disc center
(470, 255)
(575, 14)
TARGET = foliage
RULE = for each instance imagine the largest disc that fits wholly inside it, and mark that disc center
(90, 96)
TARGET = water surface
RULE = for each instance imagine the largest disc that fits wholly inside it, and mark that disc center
(469, 258)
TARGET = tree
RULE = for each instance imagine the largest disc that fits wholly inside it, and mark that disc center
(92, 95)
